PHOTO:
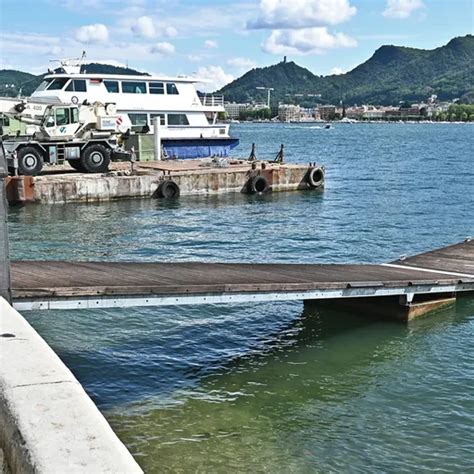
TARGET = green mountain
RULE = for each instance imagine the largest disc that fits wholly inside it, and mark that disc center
(12, 82)
(391, 75)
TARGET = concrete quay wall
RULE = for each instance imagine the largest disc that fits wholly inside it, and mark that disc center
(48, 423)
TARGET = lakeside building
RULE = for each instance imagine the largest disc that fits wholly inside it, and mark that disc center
(289, 112)
(404, 113)
(327, 112)
(294, 113)
(234, 109)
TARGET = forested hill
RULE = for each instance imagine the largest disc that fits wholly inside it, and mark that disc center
(12, 81)
(391, 75)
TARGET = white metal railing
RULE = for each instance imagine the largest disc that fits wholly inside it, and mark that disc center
(212, 100)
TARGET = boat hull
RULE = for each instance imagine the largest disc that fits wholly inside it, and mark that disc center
(190, 148)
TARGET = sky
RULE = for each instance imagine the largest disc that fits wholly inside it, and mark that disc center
(219, 40)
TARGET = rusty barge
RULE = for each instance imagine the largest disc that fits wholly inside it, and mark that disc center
(164, 179)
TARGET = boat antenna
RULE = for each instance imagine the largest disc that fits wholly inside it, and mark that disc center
(70, 64)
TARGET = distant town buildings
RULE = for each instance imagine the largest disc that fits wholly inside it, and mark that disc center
(431, 109)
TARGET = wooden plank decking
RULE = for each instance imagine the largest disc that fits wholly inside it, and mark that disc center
(447, 269)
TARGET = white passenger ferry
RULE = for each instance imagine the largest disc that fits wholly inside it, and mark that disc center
(188, 122)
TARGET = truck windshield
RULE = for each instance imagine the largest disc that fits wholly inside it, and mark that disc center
(49, 119)
(58, 83)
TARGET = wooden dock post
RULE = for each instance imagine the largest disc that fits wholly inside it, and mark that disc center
(5, 285)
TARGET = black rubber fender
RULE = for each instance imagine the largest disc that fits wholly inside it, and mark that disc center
(258, 185)
(315, 177)
(168, 189)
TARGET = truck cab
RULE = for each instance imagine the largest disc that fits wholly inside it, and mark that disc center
(61, 122)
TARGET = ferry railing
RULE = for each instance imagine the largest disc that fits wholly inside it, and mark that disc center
(212, 100)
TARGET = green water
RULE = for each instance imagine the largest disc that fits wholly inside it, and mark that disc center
(330, 393)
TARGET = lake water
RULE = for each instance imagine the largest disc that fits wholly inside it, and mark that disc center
(270, 387)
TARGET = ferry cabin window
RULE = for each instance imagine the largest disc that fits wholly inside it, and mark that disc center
(162, 118)
(43, 85)
(77, 85)
(171, 88)
(157, 88)
(112, 86)
(58, 83)
(177, 119)
(139, 122)
(132, 87)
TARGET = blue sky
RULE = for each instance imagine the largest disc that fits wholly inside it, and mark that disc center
(221, 39)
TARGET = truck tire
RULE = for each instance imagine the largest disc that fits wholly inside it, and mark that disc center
(30, 161)
(77, 165)
(95, 159)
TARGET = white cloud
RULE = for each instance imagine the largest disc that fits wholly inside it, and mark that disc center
(294, 14)
(337, 71)
(210, 44)
(163, 48)
(194, 58)
(144, 26)
(214, 76)
(242, 63)
(401, 8)
(147, 27)
(305, 41)
(97, 33)
(55, 51)
(170, 31)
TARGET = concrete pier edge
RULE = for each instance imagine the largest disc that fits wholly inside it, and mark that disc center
(47, 421)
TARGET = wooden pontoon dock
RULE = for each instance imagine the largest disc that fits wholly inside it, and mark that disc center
(75, 285)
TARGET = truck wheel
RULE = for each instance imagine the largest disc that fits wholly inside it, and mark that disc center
(95, 159)
(30, 161)
(77, 165)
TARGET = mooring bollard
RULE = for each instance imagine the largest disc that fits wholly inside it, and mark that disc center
(280, 158)
(252, 156)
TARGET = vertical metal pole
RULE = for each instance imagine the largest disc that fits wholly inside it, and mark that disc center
(157, 138)
(5, 286)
